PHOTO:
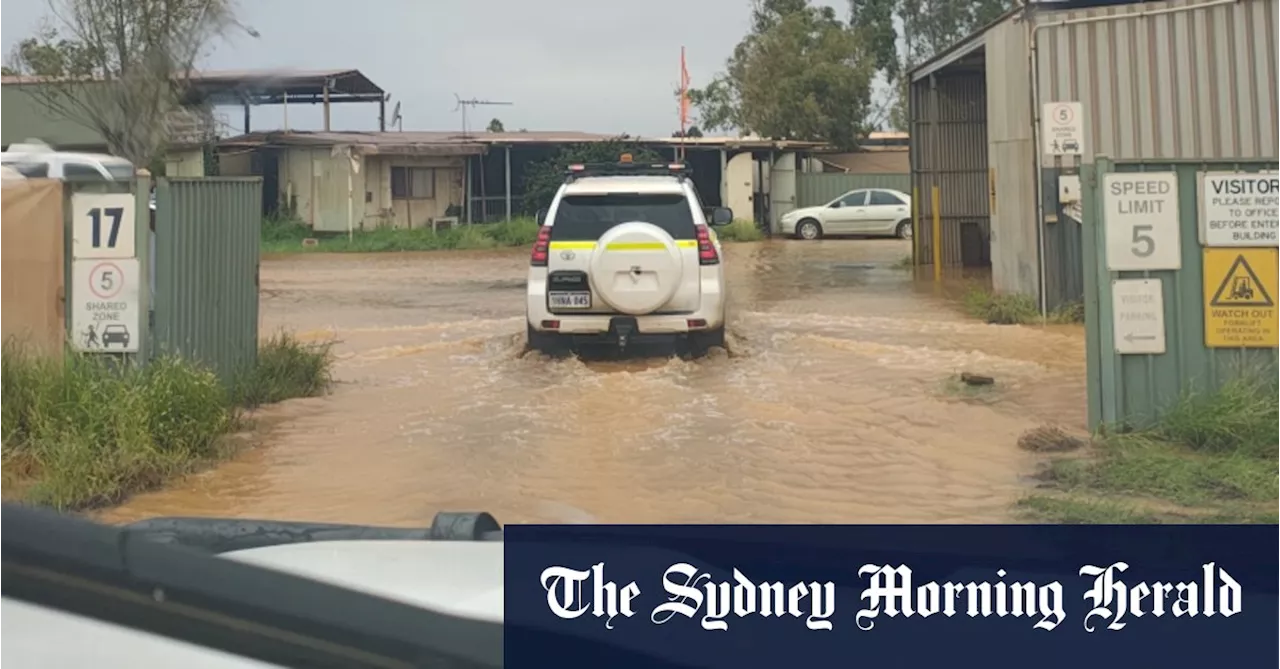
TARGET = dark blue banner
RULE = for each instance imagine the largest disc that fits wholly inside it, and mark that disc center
(1021, 596)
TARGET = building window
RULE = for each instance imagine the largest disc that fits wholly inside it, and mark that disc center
(413, 183)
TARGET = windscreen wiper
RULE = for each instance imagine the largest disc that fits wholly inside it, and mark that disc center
(124, 577)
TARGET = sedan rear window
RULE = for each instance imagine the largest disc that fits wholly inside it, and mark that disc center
(587, 217)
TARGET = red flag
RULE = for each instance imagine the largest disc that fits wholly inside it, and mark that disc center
(684, 94)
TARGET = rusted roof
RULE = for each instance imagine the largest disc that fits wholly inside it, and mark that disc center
(346, 84)
(278, 81)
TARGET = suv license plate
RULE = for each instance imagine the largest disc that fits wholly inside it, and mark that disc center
(569, 300)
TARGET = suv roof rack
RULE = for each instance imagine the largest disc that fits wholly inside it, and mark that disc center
(627, 168)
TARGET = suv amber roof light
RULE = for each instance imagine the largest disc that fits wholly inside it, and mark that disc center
(578, 170)
(626, 158)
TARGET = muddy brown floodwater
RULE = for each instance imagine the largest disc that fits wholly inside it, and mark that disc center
(833, 404)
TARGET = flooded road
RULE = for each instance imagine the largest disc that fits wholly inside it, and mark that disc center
(835, 403)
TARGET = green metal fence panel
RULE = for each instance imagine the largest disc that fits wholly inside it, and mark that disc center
(1132, 390)
(208, 233)
(814, 189)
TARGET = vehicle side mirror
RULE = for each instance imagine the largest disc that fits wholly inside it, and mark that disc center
(837, 204)
(542, 217)
(721, 216)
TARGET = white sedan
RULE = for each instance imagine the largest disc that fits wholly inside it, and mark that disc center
(866, 211)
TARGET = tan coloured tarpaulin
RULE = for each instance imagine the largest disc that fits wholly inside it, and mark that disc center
(32, 263)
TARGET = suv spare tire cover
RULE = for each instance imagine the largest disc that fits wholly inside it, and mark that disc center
(636, 268)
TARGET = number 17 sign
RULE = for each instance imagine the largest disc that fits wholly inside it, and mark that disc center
(102, 225)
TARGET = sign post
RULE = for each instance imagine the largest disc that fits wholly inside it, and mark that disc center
(1141, 219)
(1239, 209)
(106, 275)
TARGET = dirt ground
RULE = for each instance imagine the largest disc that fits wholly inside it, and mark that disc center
(836, 402)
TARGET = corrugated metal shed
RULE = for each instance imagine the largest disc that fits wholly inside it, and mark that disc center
(1011, 156)
(949, 151)
(1160, 80)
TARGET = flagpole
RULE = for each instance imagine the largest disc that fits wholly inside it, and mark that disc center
(684, 104)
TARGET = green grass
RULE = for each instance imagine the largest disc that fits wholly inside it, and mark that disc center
(1010, 309)
(1211, 458)
(286, 368)
(80, 431)
(1070, 312)
(740, 231)
(1015, 309)
(287, 235)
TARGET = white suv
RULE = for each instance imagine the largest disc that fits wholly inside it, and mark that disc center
(626, 255)
(37, 160)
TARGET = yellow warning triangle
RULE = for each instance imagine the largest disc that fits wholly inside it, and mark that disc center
(1241, 288)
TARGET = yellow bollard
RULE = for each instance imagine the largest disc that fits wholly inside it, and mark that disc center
(936, 239)
(915, 226)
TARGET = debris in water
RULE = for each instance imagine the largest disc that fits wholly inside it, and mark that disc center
(976, 379)
(1049, 439)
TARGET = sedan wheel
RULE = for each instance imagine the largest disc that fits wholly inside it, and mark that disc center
(904, 230)
(808, 230)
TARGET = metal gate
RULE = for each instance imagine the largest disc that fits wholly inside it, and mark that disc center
(207, 236)
(1152, 281)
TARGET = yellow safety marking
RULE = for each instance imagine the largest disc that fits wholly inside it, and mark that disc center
(636, 246)
(622, 246)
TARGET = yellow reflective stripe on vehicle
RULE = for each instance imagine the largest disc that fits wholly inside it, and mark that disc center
(622, 246)
(635, 246)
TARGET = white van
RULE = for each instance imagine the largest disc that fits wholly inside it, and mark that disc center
(37, 160)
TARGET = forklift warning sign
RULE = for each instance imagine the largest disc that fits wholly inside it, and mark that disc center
(1240, 298)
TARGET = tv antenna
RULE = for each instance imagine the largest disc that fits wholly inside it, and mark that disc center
(474, 102)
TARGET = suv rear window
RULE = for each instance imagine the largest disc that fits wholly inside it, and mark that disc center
(583, 218)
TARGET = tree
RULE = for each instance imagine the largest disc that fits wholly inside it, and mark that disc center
(543, 179)
(691, 131)
(120, 67)
(927, 27)
(496, 126)
(800, 73)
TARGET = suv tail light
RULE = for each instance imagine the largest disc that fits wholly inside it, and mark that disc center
(541, 247)
(706, 250)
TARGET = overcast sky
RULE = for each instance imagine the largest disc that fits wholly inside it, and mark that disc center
(590, 65)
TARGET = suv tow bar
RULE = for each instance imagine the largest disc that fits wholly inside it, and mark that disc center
(621, 328)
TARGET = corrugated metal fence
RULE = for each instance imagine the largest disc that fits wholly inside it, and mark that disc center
(815, 189)
(1133, 389)
(206, 283)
